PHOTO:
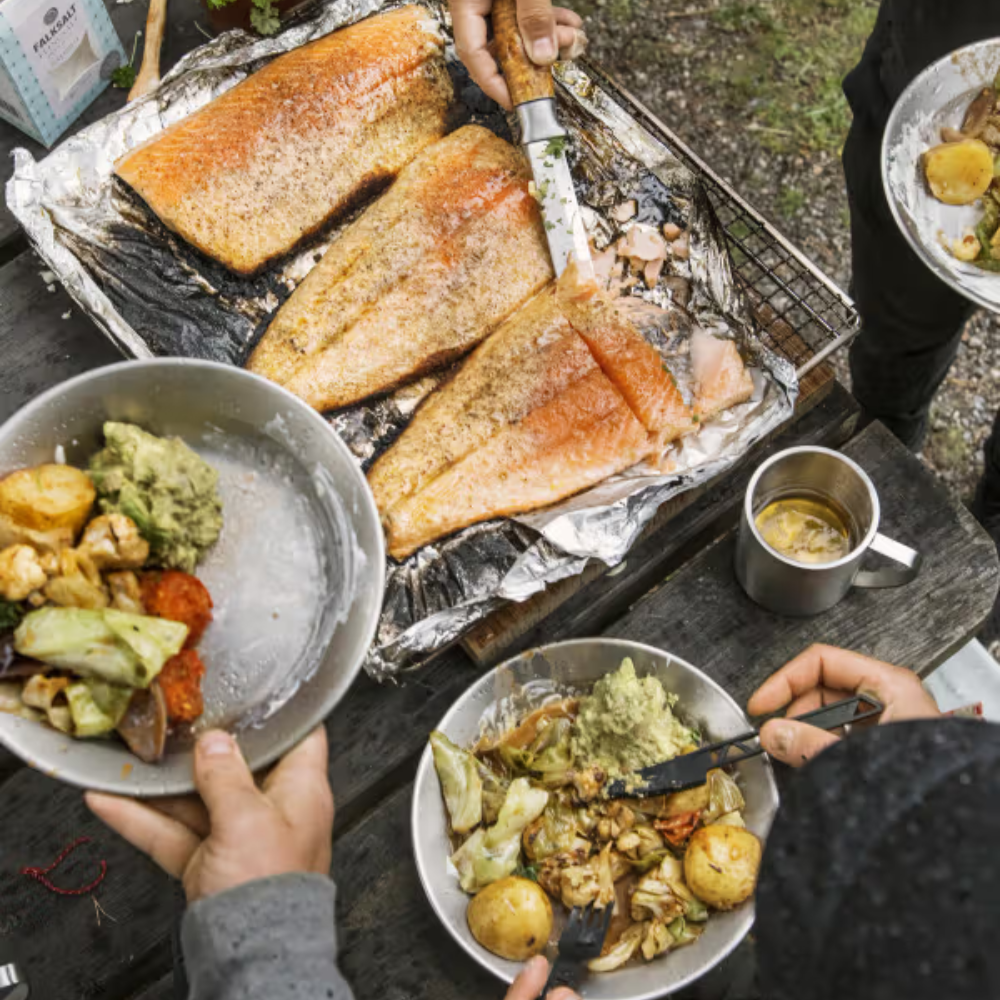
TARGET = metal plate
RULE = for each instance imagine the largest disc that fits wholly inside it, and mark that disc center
(938, 97)
(523, 683)
(296, 577)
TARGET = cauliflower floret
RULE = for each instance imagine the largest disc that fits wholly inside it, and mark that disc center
(588, 783)
(617, 820)
(551, 869)
(579, 886)
(639, 841)
(78, 583)
(20, 572)
(112, 541)
(125, 592)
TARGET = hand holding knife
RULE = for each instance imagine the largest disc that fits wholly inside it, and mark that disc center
(544, 140)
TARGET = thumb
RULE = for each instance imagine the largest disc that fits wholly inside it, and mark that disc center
(794, 743)
(537, 22)
(221, 774)
(530, 983)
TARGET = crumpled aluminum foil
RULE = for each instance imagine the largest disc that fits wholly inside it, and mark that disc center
(153, 295)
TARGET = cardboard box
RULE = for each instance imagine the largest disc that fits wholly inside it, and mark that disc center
(56, 56)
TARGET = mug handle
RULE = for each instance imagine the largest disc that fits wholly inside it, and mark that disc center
(908, 560)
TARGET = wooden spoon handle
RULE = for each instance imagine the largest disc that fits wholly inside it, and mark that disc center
(149, 75)
(525, 80)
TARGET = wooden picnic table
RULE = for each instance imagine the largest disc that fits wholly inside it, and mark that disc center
(676, 591)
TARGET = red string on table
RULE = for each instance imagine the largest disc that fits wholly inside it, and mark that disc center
(41, 874)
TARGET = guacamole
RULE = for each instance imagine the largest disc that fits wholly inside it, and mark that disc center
(169, 491)
(626, 723)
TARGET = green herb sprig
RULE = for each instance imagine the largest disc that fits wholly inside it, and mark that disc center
(124, 76)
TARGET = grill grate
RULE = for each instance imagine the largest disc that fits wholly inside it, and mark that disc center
(804, 315)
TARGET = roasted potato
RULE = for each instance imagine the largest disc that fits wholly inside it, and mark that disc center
(721, 865)
(46, 497)
(959, 172)
(511, 918)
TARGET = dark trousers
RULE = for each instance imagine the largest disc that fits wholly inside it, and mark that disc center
(911, 321)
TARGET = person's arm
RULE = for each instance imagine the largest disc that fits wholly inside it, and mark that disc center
(272, 939)
(824, 674)
(254, 864)
(548, 33)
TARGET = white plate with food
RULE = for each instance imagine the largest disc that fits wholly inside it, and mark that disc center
(183, 545)
(941, 169)
(509, 826)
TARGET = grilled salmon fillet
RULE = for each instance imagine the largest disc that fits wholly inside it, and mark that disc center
(268, 163)
(566, 393)
(529, 361)
(530, 418)
(628, 359)
(438, 262)
(721, 378)
(578, 438)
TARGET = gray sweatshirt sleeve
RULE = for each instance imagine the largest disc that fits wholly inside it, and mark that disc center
(273, 939)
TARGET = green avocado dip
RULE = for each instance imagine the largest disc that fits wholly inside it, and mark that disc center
(169, 491)
(626, 723)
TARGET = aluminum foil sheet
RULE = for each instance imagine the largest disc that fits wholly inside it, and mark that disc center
(153, 296)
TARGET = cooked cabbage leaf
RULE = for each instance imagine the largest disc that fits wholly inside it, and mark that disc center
(724, 796)
(124, 649)
(494, 792)
(555, 831)
(96, 706)
(492, 854)
(458, 772)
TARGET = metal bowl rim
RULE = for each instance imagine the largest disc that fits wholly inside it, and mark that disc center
(323, 706)
(895, 116)
(425, 766)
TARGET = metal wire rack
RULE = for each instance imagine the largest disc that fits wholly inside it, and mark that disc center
(804, 315)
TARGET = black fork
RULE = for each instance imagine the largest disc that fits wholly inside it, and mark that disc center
(582, 939)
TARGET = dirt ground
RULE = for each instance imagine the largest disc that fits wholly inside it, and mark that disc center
(755, 89)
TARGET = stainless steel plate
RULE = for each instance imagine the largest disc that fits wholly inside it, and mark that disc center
(525, 682)
(297, 575)
(938, 97)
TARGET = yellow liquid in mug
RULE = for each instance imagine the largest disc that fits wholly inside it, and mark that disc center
(805, 529)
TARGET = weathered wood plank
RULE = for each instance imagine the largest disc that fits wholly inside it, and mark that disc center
(181, 36)
(702, 614)
(63, 946)
(38, 345)
(588, 603)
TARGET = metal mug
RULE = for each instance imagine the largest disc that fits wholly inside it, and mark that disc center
(788, 587)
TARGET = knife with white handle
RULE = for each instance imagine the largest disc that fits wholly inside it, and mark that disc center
(544, 140)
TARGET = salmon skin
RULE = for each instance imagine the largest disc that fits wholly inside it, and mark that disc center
(435, 265)
(565, 394)
(267, 164)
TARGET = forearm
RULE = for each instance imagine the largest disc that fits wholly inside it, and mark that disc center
(273, 939)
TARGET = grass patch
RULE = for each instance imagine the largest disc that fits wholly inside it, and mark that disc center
(795, 54)
(791, 201)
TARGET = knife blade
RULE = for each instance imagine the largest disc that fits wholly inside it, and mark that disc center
(544, 141)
